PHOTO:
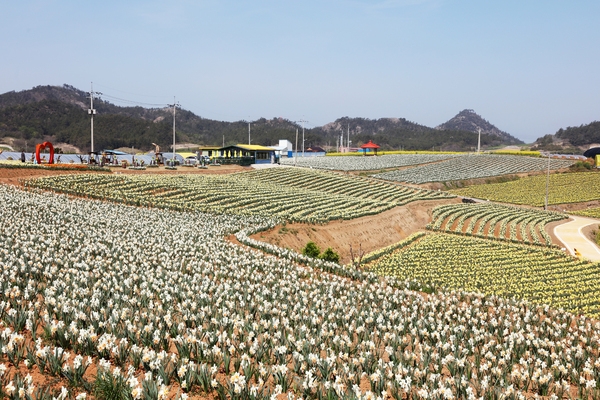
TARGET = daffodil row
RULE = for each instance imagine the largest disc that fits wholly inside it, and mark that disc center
(495, 221)
(262, 193)
(563, 188)
(471, 167)
(539, 275)
(163, 305)
(215, 194)
(363, 163)
(349, 185)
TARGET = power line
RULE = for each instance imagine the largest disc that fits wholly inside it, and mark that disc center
(136, 102)
(134, 94)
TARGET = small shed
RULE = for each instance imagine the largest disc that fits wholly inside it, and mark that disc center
(369, 147)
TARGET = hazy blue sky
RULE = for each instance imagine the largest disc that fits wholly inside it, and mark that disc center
(529, 67)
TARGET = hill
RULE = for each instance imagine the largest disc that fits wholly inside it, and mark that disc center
(582, 135)
(396, 133)
(469, 120)
(571, 139)
(59, 113)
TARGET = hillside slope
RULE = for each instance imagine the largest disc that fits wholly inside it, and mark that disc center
(60, 114)
(469, 120)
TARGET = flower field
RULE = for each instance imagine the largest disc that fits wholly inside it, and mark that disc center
(540, 275)
(118, 302)
(330, 196)
(364, 163)
(495, 221)
(349, 185)
(472, 167)
(590, 212)
(563, 188)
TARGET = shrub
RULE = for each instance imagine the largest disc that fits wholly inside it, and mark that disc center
(581, 165)
(330, 255)
(311, 250)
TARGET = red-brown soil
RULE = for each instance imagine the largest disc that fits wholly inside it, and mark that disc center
(364, 234)
(15, 176)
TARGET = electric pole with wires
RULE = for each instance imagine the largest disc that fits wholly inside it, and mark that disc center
(175, 105)
(303, 122)
(92, 112)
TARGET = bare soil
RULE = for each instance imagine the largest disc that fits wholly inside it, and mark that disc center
(364, 234)
(550, 231)
(590, 232)
(16, 176)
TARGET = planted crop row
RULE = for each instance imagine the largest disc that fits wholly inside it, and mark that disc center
(99, 295)
(215, 194)
(364, 163)
(349, 185)
(562, 188)
(495, 221)
(472, 167)
(544, 276)
(328, 197)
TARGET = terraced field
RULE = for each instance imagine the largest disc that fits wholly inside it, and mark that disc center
(495, 221)
(363, 163)
(472, 167)
(325, 197)
(563, 188)
(540, 275)
(160, 306)
(349, 185)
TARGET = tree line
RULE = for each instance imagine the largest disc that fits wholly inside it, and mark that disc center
(61, 116)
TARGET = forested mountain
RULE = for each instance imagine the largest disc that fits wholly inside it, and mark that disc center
(60, 114)
(398, 133)
(469, 120)
(571, 139)
(581, 135)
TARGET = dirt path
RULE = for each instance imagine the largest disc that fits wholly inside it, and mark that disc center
(572, 235)
(369, 233)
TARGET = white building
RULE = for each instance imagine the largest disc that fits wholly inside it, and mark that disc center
(284, 148)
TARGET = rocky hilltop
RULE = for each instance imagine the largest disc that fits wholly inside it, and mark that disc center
(469, 120)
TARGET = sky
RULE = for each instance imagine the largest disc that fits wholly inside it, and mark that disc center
(530, 67)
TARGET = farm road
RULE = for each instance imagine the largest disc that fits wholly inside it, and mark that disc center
(572, 236)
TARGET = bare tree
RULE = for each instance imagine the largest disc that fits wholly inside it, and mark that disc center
(356, 262)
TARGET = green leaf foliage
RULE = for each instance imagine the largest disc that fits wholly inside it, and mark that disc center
(311, 250)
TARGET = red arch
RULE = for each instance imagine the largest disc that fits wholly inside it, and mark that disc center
(40, 147)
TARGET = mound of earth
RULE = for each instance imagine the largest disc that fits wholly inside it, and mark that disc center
(363, 234)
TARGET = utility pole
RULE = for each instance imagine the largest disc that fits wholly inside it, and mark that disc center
(92, 112)
(479, 141)
(248, 131)
(296, 149)
(348, 138)
(547, 183)
(303, 121)
(174, 105)
(223, 140)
